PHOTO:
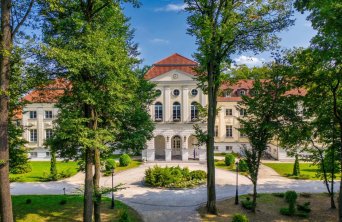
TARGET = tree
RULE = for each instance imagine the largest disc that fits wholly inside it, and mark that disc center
(223, 28)
(12, 19)
(319, 67)
(296, 169)
(89, 45)
(268, 108)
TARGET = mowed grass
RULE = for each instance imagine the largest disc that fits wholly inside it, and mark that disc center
(46, 208)
(268, 207)
(42, 168)
(307, 170)
(133, 164)
(221, 164)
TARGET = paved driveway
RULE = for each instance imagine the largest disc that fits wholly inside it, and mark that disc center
(159, 205)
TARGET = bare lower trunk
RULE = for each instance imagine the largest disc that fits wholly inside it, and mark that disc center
(88, 187)
(97, 176)
(6, 40)
(211, 190)
(255, 194)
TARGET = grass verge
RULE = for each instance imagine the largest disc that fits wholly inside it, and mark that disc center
(44, 208)
(268, 207)
(42, 168)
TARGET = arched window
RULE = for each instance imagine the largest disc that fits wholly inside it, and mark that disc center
(158, 111)
(176, 111)
(194, 111)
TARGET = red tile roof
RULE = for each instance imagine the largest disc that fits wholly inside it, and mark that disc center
(173, 62)
(48, 93)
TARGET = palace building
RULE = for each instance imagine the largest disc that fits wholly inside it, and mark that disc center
(174, 111)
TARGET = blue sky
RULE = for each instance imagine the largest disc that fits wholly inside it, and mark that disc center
(160, 30)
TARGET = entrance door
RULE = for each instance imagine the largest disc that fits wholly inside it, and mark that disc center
(176, 146)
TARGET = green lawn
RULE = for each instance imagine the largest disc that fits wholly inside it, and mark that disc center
(221, 164)
(307, 170)
(133, 164)
(45, 208)
(42, 168)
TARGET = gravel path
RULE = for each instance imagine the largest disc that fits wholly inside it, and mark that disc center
(159, 205)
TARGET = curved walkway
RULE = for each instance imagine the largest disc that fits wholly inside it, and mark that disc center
(158, 205)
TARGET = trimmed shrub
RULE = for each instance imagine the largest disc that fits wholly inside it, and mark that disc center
(125, 160)
(290, 197)
(62, 202)
(243, 167)
(110, 164)
(240, 218)
(28, 201)
(173, 177)
(296, 170)
(229, 159)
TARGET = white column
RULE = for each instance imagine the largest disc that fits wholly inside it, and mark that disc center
(149, 152)
(203, 98)
(40, 127)
(185, 105)
(168, 151)
(167, 101)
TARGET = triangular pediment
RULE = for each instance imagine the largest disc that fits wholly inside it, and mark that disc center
(174, 75)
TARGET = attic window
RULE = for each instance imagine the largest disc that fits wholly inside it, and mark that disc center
(226, 94)
(242, 92)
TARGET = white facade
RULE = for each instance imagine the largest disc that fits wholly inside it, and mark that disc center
(174, 133)
(38, 127)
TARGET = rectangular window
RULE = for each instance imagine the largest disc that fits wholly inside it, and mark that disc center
(48, 133)
(229, 131)
(33, 135)
(242, 112)
(216, 148)
(229, 112)
(47, 154)
(48, 114)
(216, 131)
(229, 148)
(33, 114)
(33, 154)
(176, 112)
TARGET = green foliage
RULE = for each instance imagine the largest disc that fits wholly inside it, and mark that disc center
(243, 166)
(304, 207)
(60, 175)
(124, 217)
(296, 169)
(281, 195)
(173, 177)
(53, 166)
(247, 203)
(240, 218)
(229, 159)
(110, 164)
(291, 197)
(125, 160)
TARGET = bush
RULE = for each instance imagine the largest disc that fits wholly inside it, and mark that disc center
(240, 218)
(173, 177)
(243, 167)
(124, 217)
(110, 164)
(28, 201)
(229, 159)
(125, 160)
(62, 202)
(247, 204)
(304, 208)
(290, 197)
(198, 175)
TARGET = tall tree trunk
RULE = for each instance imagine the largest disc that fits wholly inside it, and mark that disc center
(97, 176)
(211, 190)
(88, 187)
(340, 194)
(6, 42)
(255, 194)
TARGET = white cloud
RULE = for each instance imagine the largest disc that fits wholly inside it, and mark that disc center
(160, 41)
(172, 8)
(249, 61)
